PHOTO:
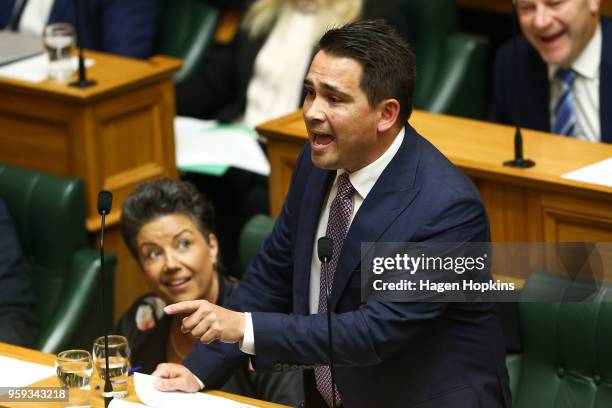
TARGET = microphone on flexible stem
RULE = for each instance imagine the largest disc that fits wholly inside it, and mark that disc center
(324, 252)
(518, 162)
(82, 82)
(105, 201)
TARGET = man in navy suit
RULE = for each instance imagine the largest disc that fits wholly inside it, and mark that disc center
(364, 176)
(565, 65)
(124, 27)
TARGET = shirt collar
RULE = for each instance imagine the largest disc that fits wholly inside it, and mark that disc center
(364, 179)
(588, 61)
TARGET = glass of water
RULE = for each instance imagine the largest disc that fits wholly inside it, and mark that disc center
(118, 363)
(74, 369)
(59, 39)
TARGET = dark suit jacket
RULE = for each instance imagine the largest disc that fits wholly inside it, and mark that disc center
(393, 354)
(17, 322)
(219, 91)
(534, 88)
(125, 27)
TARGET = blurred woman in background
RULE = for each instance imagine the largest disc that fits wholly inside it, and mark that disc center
(259, 75)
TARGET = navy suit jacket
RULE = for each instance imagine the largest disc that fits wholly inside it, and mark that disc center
(125, 27)
(18, 324)
(534, 90)
(393, 354)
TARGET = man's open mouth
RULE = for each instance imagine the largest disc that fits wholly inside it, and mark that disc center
(322, 139)
(550, 38)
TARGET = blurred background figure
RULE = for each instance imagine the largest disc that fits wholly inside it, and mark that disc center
(565, 62)
(17, 322)
(258, 76)
(170, 230)
(125, 27)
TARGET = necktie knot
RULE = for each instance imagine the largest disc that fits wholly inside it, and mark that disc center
(345, 188)
(566, 75)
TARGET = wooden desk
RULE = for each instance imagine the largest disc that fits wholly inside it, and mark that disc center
(533, 205)
(112, 136)
(35, 356)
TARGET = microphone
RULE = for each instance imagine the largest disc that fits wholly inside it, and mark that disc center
(82, 82)
(105, 201)
(325, 247)
(518, 162)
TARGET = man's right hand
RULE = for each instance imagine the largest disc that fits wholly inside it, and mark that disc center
(175, 377)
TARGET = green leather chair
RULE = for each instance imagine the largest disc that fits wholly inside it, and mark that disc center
(451, 66)
(185, 30)
(254, 232)
(49, 215)
(567, 357)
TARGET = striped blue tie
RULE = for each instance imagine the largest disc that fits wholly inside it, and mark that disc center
(565, 112)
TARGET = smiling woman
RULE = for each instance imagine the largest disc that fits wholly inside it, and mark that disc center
(169, 228)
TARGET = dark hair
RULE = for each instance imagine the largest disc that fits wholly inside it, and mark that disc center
(389, 69)
(156, 198)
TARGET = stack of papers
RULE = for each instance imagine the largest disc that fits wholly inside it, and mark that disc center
(145, 389)
(598, 173)
(203, 146)
(35, 69)
(19, 373)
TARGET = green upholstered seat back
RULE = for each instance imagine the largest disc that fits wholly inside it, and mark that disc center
(452, 74)
(49, 215)
(567, 358)
(185, 30)
(431, 22)
(253, 234)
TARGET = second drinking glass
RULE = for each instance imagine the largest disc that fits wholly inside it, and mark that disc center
(118, 363)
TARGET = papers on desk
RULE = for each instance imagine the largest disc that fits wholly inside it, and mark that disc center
(35, 69)
(145, 389)
(207, 147)
(598, 173)
(19, 373)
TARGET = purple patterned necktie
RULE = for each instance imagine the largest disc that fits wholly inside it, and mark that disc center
(337, 226)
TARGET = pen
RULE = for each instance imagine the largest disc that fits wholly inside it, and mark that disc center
(132, 370)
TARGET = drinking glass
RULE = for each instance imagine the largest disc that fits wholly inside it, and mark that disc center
(118, 363)
(59, 38)
(74, 369)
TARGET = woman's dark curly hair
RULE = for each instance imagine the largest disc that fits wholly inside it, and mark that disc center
(156, 198)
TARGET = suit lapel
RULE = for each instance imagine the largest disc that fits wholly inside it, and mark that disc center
(55, 10)
(6, 12)
(390, 196)
(314, 193)
(534, 100)
(605, 86)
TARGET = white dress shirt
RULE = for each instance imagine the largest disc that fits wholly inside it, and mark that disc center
(585, 90)
(35, 16)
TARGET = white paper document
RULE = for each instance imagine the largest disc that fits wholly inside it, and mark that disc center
(19, 373)
(200, 142)
(145, 389)
(598, 173)
(34, 69)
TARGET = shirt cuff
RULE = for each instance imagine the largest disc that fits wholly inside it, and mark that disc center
(248, 341)
(200, 383)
